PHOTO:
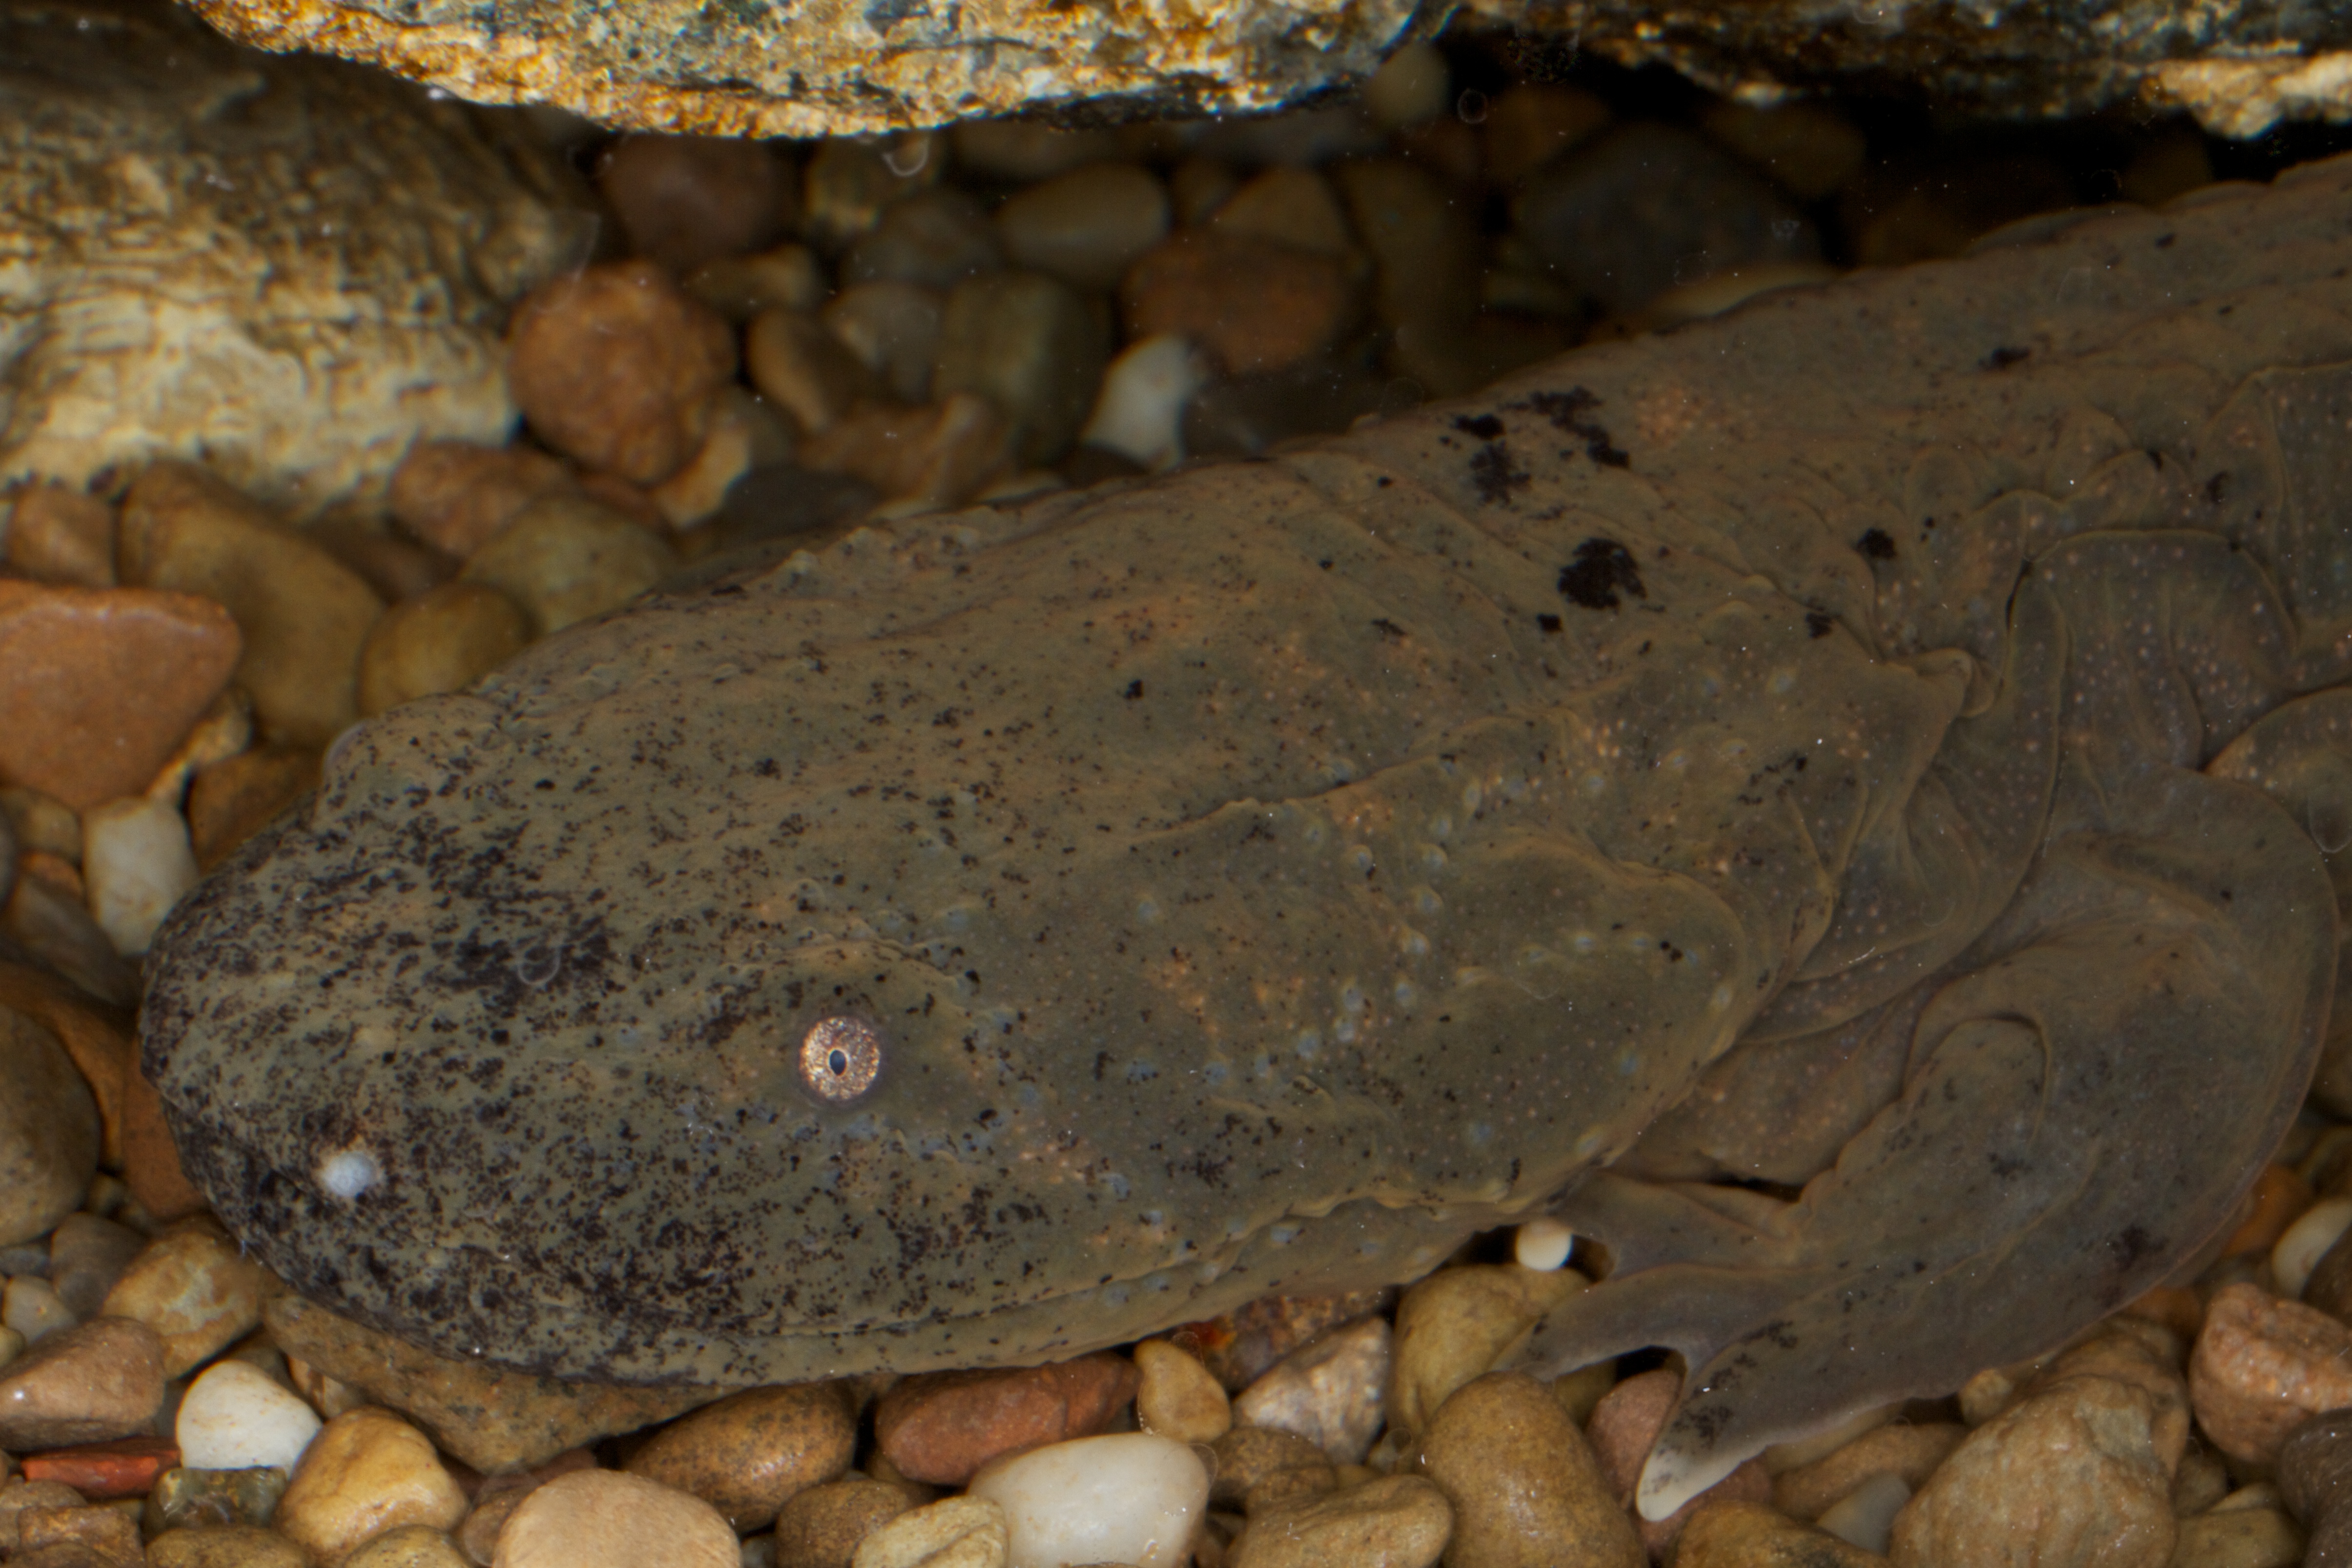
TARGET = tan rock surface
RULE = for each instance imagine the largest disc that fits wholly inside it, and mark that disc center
(291, 266)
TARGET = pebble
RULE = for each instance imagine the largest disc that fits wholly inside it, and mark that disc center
(804, 369)
(71, 661)
(1749, 1535)
(86, 1256)
(1140, 412)
(1027, 150)
(184, 1498)
(937, 455)
(53, 926)
(225, 731)
(747, 1453)
(225, 1546)
(496, 1499)
(89, 1384)
(1909, 1453)
(1459, 1323)
(17, 1495)
(1523, 1483)
(365, 1472)
(48, 1131)
(2240, 1537)
(409, 1546)
(1624, 1426)
(941, 1427)
(232, 800)
(1088, 226)
(126, 1467)
(617, 367)
(1864, 1517)
(2303, 1243)
(2261, 1366)
(1239, 1345)
(686, 200)
(1531, 123)
(1033, 346)
(1396, 1522)
(442, 640)
(236, 1417)
(1423, 240)
(1247, 415)
(1253, 305)
(607, 1519)
(746, 432)
(1413, 84)
(1246, 1458)
(934, 239)
(56, 534)
(847, 185)
(1290, 206)
(820, 1528)
(1175, 1395)
(138, 860)
(1332, 1391)
(1130, 1498)
(2278, 1198)
(303, 614)
(392, 564)
(2083, 1463)
(1809, 148)
(894, 330)
(1937, 202)
(2315, 1479)
(1649, 206)
(111, 1534)
(457, 497)
(957, 1532)
(738, 287)
(33, 1310)
(490, 1419)
(565, 558)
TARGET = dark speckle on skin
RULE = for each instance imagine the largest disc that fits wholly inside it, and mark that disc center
(1875, 544)
(1602, 570)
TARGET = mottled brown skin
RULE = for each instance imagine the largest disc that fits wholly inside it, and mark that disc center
(1776, 750)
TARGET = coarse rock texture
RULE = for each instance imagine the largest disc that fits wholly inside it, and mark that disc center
(287, 266)
(845, 66)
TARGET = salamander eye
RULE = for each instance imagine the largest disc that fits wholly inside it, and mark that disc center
(840, 1058)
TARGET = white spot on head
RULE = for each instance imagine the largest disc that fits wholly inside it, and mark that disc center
(349, 1172)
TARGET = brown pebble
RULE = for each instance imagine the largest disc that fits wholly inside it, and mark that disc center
(1176, 1397)
(941, 1427)
(1240, 1345)
(1749, 1535)
(99, 685)
(1457, 1323)
(1255, 307)
(1294, 206)
(1524, 1482)
(1911, 1452)
(940, 454)
(820, 1528)
(89, 1384)
(1086, 227)
(567, 558)
(55, 533)
(231, 801)
(1624, 1426)
(395, 566)
(367, 1471)
(409, 1546)
(687, 200)
(197, 1289)
(496, 1499)
(605, 1518)
(1332, 1391)
(2261, 1366)
(616, 366)
(111, 1533)
(1247, 1456)
(745, 1455)
(442, 640)
(800, 367)
(225, 1546)
(17, 1494)
(955, 1532)
(98, 1039)
(740, 287)
(303, 613)
(1397, 1522)
(455, 496)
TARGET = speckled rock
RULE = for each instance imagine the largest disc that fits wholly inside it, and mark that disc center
(2078, 1470)
(287, 265)
(2261, 1366)
(1524, 1484)
(820, 1528)
(941, 1427)
(492, 1420)
(71, 658)
(303, 614)
(604, 1519)
(367, 1471)
(1332, 1391)
(89, 1384)
(746, 1455)
(1398, 1522)
(48, 1130)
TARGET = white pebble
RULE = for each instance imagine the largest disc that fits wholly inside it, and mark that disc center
(2306, 1241)
(32, 1308)
(234, 1417)
(1139, 413)
(1864, 1517)
(136, 860)
(1131, 1498)
(1542, 1244)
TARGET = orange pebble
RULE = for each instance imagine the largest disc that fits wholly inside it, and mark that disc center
(2181, 1311)
(2280, 1197)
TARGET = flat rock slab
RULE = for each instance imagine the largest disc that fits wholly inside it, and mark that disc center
(839, 67)
(290, 267)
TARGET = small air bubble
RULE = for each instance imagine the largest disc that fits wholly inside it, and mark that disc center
(907, 157)
(1472, 107)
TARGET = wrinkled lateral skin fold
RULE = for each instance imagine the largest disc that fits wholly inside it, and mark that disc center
(1878, 743)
